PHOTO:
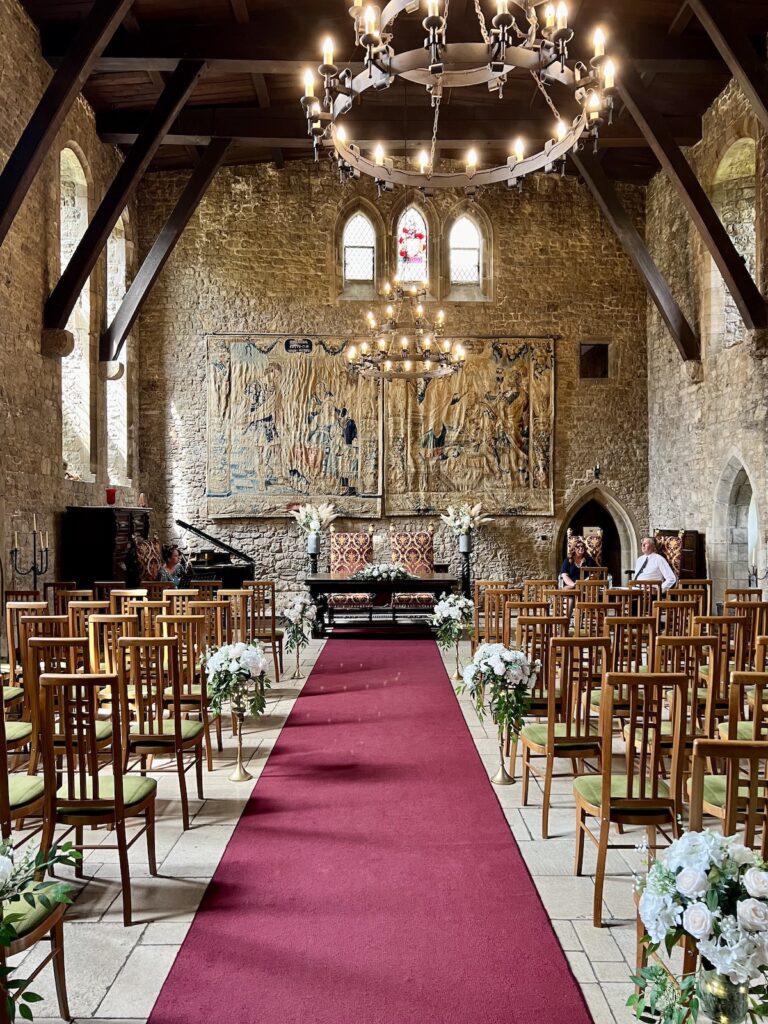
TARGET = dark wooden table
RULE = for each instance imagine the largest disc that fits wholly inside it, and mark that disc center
(322, 584)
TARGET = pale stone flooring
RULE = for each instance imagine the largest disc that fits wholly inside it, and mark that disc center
(115, 974)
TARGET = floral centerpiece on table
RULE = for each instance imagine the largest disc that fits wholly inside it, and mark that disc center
(312, 519)
(383, 571)
(452, 614)
(712, 890)
(300, 615)
(236, 673)
(499, 681)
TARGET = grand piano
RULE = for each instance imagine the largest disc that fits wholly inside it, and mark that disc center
(210, 564)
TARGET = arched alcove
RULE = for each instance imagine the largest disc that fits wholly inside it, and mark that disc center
(467, 226)
(356, 285)
(735, 527)
(596, 506)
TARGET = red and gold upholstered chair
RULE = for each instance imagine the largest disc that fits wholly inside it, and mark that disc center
(593, 541)
(415, 552)
(350, 552)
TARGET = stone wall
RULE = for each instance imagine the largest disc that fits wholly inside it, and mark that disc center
(31, 466)
(701, 435)
(260, 256)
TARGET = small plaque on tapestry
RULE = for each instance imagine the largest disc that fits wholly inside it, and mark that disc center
(298, 345)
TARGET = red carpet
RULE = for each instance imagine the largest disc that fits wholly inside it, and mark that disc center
(372, 878)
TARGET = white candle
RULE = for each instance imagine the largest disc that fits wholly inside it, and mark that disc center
(327, 50)
(599, 41)
(34, 522)
(610, 74)
(16, 540)
(309, 83)
(549, 16)
(562, 16)
(433, 8)
(370, 21)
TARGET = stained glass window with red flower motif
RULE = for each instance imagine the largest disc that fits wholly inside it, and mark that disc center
(412, 246)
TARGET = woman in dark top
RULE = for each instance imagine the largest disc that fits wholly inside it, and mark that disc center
(570, 571)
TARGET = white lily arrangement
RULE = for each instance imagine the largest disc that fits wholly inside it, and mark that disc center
(714, 890)
(452, 614)
(237, 673)
(465, 518)
(499, 680)
(300, 614)
(383, 571)
(314, 518)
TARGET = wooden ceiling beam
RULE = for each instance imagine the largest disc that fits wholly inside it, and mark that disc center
(24, 162)
(655, 283)
(62, 299)
(733, 45)
(240, 11)
(681, 20)
(738, 280)
(113, 339)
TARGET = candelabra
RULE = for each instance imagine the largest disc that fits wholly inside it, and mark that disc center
(39, 564)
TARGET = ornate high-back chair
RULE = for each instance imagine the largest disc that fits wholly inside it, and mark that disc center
(593, 542)
(350, 552)
(414, 550)
(670, 546)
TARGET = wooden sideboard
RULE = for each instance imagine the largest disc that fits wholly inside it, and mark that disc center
(97, 543)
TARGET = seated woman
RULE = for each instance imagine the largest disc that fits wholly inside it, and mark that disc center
(570, 571)
(172, 570)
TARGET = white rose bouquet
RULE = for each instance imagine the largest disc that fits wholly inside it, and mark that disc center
(383, 571)
(453, 613)
(313, 518)
(237, 673)
(465, 518)
(300, 615)
(713, 890)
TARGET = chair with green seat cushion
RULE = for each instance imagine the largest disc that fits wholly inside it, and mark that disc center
(737, 796)
(35, 922)
(639, 795)
(12, 694)
(77, 793)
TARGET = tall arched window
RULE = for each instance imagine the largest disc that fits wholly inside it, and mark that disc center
(359, 250)
(75, 368)
(464, 246)
(412, 246)
(117, 390)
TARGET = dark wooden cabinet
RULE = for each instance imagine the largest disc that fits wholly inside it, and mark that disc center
(97, 543)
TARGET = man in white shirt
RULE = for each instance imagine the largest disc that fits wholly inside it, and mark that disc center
(653, 566)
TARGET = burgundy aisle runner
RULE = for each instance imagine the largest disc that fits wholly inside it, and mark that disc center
(372, 878)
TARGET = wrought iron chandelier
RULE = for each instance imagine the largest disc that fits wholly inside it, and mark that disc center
(440, 65)
(407, 344)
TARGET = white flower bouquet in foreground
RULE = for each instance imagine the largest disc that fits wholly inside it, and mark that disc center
(383, 571)
(453, 612)
(713, 890)
(499, 680)
(463, 519)
(313, 518)
(300, 616)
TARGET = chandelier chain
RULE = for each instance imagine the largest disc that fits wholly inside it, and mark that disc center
(481, 19)
(545, 94)
(435, 121)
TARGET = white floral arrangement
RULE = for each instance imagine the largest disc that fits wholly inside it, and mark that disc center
(714, 890)
(237, 673)
(464, 519)
(314, 518)
(499, 680)
(383, 571)
(452, 614)
(300, 614)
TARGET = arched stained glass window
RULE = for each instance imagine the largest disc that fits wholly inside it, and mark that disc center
(464, 246)
(412, 247)
(359, 247)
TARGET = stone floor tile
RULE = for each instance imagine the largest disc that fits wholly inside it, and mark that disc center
(198, 851)
(618, 898)
(164, 898)
(616, 996)
(569, 898)
(598, 1005)
(605, 971)
(138, 984)
(165, 933)
(598, 943)
(581, 967)
(567, 935)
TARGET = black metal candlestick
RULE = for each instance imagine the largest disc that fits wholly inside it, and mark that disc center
(38, 566)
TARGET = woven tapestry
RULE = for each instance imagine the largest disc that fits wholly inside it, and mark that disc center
(484, 434)
(288, 424)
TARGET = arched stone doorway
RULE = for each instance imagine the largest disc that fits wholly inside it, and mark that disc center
(597, 507)
(735, 528)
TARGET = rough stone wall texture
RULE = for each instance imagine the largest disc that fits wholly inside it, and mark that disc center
(31, 470)
(701, 434)
(259, 255)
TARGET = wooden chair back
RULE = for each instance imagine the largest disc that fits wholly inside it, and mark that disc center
(104, 632)
(179, 600)
(217, 625)
(156, 589)
(188, 630)
(698, 659)
(729, 632)
(23, 595)
(207, 589)
(238, 601)
(533, 635)
(698, 595)
(746, 685)
(761, 651)
(743, 766)
(14, 612)
(644, 593)
(262, 609)
(743, 594)
(6, 824)
(560, 602)
(533, 590)
(147, 612)
(755, 614)
(61, 599)
(495, 612)
(674, 618)
(51, 589)
(591, 590)
(118, 599)
(480, 588)
(103, 588)
(50, 655)
(595, 572)
(698, 584)
(589, 617)
(644, 699)
(633, 642)
(79, 612)
(147, 667)
(577, 666)
(622, 598)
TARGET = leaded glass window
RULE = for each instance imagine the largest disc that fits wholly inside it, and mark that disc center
(412, 247)
(465, 252)
(359, 246)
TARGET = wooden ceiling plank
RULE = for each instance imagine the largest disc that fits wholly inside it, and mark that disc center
(738, 280)
(113, 339)
(681, 20)
(240, 11)
(62, 299)
(56, 102)
(734, 47)
(656, 285)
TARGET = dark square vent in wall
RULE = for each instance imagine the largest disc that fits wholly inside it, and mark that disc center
(594, 361)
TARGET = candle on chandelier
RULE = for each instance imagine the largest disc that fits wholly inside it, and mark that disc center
(562, 15)
(351, 353)
(433, 8)
(549, 16)
(309, 84)
(387, 365)
(427, 343)
(501, 7)
(364, 346)
(519, 150)
(382, 344)
(404, 344)
(369, 21)
(328, 50)
(387, 287)
(378, 155)
(446, 345)
(609, 73)
(341, 134)
(560, 131)
(593, 106)
(471, 161)
(407, 365)
(390, 311)
(440, 316)
(423, 161)
(16, 540)
(419, 311)
(599, 42)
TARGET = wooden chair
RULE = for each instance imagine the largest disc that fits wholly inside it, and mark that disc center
(560, 603)
(533, 590)
(22, 595)
(149, 681)
(238, 601)
(103, 588)
(737, 796)
(644, 593)
(639, 796)
(697, 657)
(571, 728)
(697, 584)
(79, 613)
(104, 632)
(599, 572)
(479, 590)
(495, 615)
(51, 589)
(743, 594)
(591, 590)
(622, 598)
(674, 618)
(698, 595)
(179, 600)
(14, 612)
(207, 589)
(147, 613)
(193, 685)
(755, 614)
(118, 599)
(61, 599)
(263, 620)
(589, 617)
(728, 630)
(46, 655)
(78, 795)
(633, 642)
(156, 589)
(217, 622)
